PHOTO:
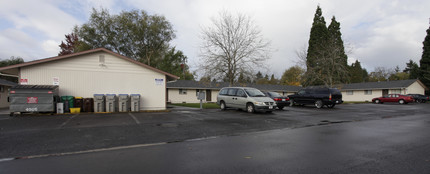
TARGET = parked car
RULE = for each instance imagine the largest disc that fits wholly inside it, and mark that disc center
(402, 99)
(318, 96)
(281, 101)
(248, 99)
(419, 98)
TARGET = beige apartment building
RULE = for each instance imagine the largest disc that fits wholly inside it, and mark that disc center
(97, 71)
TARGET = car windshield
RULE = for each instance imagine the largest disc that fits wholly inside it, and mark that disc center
(274, 94)
(254, 93)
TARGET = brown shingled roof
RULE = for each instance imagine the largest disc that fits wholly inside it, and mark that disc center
(40, 61)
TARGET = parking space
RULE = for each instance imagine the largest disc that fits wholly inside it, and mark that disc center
(42, 134)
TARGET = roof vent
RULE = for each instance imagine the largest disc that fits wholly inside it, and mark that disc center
(101, 60)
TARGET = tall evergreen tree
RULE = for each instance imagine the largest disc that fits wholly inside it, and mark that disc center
(317, 39)
(273, 80)
(356, 73)
(340, 55)
(326, 61)
(365, 75)
(318, 36)
(412, 69)
(425, 61)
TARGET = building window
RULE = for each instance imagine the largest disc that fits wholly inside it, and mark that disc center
(396, 91)
(367, 92)
(182, 92)
(197, 92)
(349, 92)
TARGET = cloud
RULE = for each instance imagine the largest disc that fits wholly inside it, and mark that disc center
(382, 33)
(17, 43)
(30, 23)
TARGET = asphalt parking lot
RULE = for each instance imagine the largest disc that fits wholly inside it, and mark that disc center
(29, 135)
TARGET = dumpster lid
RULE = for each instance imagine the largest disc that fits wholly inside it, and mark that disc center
(135, 94)
(99, 95)
(110, 94)
(123, 94)
(48, 87)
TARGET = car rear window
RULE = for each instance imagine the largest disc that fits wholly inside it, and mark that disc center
(254, 93)
(335, 91)
(274, 94)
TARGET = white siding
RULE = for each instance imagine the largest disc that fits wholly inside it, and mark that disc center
(190, 97)
(415, 88)
(358, 95)
(214, 94)
(84, 76)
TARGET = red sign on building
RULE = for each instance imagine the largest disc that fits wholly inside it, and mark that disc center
(23, 81)
(32, 100)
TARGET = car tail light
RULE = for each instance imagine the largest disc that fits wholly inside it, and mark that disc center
(12, 92)
(277, 99)
(49, 92)
(329, 97)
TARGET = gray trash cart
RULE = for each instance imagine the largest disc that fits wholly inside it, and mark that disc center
(123, 103)
(99, 103)
(135, 102)
(111, 103)
(33, 98)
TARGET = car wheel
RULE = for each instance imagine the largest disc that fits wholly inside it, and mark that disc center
(423, 101)
(250, 108)
(280, 107)
(377, 101)
(319, 104)
(331, 106)
(223, 107)
(291, 102)
(401, 102)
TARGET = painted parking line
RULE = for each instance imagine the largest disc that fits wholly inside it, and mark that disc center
(134, 118)
(68, 120)
(84, 151)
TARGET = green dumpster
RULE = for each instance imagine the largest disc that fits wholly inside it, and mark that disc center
(68, 102)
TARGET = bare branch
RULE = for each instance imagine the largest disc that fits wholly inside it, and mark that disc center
(232, 45)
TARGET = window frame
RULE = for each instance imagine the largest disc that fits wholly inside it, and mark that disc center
(182, 91)
(368, 92)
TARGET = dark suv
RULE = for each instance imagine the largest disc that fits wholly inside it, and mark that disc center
(419, 98)
(318, 96)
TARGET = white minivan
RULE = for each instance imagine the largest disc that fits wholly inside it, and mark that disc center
(249, 99)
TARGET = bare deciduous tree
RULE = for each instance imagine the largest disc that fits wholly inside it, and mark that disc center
(234, 44)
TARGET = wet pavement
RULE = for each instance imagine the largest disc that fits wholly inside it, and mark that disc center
(360, 135)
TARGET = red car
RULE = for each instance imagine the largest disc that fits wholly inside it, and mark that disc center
(402, 99)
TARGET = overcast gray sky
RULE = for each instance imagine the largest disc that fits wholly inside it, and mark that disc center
(383, 33)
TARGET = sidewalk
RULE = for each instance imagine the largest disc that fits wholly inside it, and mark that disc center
(181, 108)
(4, 111)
